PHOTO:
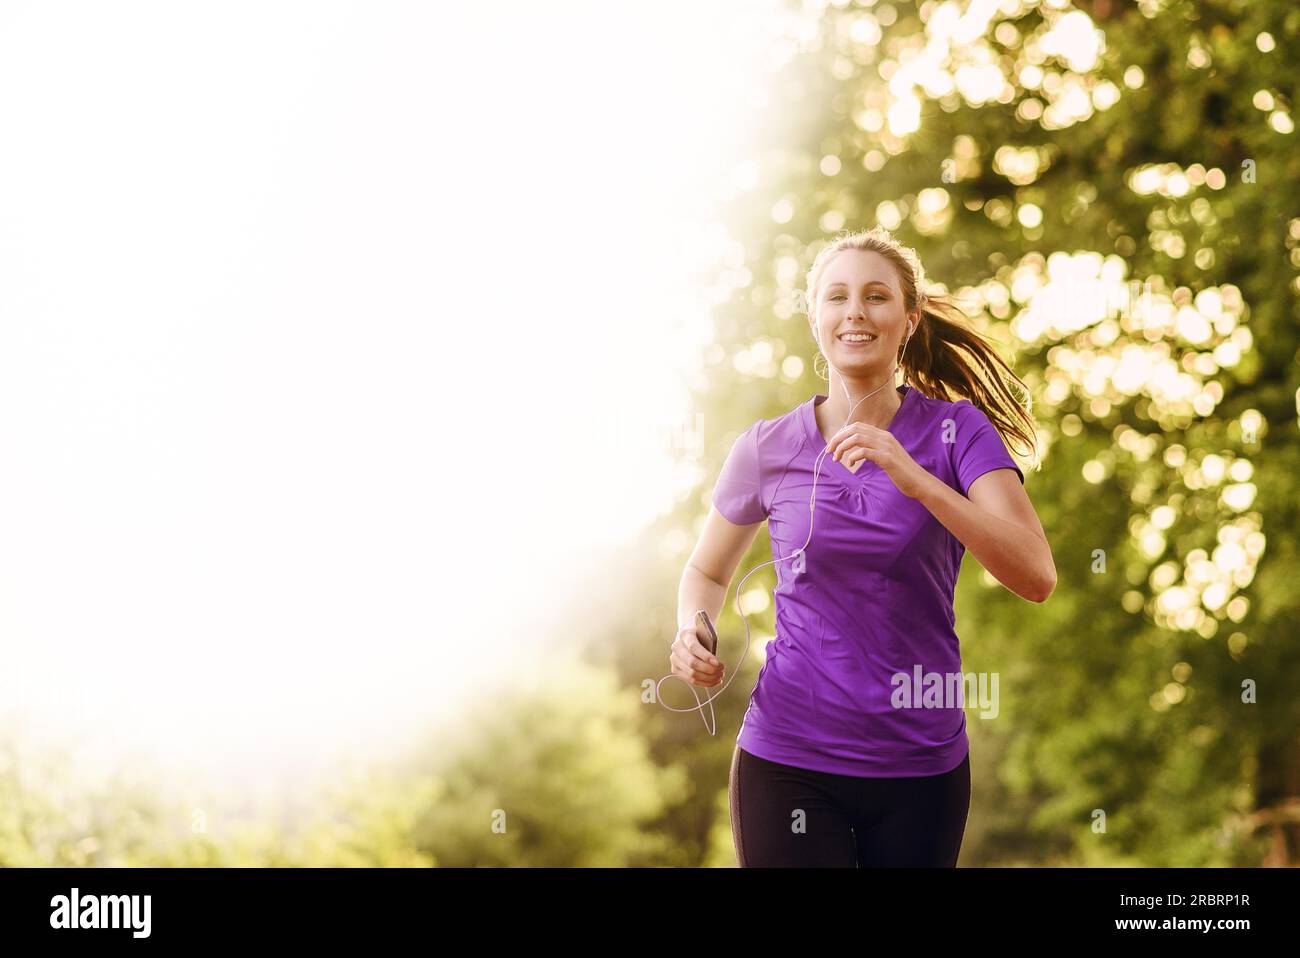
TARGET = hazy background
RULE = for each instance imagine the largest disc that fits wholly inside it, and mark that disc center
(332, 331)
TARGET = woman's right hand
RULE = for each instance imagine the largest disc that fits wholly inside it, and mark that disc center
(692, 662)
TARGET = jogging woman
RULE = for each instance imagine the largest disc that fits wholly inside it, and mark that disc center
(843, 757)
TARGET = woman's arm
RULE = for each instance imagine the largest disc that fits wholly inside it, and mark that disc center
(709, 570)
(704, 586)
(999, 527)
(997, 524)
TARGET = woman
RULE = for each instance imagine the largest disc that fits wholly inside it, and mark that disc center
(832, 765)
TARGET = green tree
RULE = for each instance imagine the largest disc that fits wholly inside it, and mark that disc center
(1110, 189)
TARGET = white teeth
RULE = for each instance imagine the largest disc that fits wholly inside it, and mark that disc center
(857, 338)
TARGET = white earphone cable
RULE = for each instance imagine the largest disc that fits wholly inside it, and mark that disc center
(812, 503)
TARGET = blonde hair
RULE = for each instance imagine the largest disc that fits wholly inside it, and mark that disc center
(945, 358)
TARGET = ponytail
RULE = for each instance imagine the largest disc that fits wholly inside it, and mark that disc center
(947, 359)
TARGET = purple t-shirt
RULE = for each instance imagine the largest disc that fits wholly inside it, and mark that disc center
(873, 597)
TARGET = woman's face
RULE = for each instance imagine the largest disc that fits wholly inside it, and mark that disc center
(860, 293)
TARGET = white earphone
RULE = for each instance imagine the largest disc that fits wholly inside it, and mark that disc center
(812, 502)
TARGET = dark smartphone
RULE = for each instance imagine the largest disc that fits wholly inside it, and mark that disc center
(705, 633)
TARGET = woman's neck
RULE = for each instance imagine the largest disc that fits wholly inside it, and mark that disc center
(876, 410)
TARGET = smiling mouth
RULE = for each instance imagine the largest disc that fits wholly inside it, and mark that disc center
(857, 339)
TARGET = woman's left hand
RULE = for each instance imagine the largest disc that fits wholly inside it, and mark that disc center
(858, 441)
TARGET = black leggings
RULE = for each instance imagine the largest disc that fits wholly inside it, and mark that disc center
(788, 817)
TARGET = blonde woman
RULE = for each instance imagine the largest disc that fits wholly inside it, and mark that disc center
(836, 763)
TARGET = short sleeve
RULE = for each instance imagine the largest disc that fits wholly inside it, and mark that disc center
(738, 493)
(977, 446)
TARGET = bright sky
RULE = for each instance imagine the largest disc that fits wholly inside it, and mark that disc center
(330, 333)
